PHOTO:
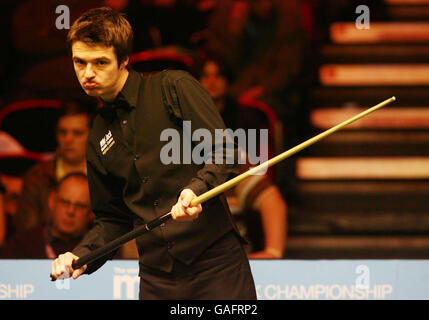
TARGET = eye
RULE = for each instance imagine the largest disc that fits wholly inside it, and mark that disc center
(79, 61)
(101, 62)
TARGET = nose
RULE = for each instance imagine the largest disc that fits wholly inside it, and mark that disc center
(89, 73)
(70, 209)
(68, 137)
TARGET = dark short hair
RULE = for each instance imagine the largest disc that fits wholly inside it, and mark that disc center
(71, 107)
(103, 26)
(224, 68)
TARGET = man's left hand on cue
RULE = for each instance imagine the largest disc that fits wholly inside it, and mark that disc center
(182, 210)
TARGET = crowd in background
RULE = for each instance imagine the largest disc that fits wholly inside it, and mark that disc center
(247, 54)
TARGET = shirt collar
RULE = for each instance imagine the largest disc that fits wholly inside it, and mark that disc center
(126, 99)
(130, 91)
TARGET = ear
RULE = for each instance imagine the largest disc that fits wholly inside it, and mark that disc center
(124, 63)
(51, 200)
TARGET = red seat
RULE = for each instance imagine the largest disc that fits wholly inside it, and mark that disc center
(160, 59)
(32, 123)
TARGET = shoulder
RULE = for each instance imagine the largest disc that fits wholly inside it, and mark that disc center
(42, 169)
(173, 78)
(176, 75)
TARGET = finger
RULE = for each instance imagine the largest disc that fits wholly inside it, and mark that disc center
(59, 266)
(63, 265)
(193, 210)
(78, 272)
(179, 214)
(68, 261)
(54, 267)
(188, 196)
(177, 211)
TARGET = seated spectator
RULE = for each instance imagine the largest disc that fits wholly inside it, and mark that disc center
(262, 40)
(71, 218)
(14, 162)
(72, 131)
(10, 190)
(216, 77)
(267, 234)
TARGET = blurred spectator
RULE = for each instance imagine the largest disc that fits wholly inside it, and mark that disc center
(71, 217)
(11, 187)
(72, 131)
(262, 40)
(216, 77)
(14, 162)
(256, 196)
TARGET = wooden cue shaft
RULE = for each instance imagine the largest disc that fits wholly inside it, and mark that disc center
(231, 183)
(219, 189)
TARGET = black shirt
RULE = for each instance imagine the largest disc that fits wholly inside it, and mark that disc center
(129, 184)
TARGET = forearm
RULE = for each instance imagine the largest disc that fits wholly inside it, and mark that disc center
(274, 222)
(105, 229)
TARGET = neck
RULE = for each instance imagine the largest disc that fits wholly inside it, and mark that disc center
(64, 167)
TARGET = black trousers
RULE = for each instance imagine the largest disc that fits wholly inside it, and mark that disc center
(222, 272)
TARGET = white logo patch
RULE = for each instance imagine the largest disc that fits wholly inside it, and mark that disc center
(107, 142)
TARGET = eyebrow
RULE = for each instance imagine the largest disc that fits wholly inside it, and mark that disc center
(94, 59)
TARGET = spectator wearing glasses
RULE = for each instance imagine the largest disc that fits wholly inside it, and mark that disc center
(71, 218)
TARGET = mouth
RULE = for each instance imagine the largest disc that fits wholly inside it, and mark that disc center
(68, 150)
(90, 85)
(68, 223)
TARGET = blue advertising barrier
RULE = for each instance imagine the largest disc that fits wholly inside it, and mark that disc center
(275, 280)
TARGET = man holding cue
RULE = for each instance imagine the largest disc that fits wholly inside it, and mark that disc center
(196, 255)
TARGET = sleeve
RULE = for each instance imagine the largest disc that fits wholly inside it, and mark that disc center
(110, 220)
(192, 101)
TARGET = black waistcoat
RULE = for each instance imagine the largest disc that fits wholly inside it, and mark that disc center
(129, 184)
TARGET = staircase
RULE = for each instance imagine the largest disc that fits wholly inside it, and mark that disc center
(364, 191)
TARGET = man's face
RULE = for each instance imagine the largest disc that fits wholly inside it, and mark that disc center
(13, 186)
(70, 206)
(97, 70)
(213, 81)
(72, 133)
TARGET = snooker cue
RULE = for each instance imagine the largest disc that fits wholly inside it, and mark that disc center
(109, 247)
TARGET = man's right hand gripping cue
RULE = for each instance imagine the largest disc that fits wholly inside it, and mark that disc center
(182, 210)
(61, 267)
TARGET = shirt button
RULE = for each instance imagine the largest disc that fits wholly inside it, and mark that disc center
(136, 157)
(155, 203)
